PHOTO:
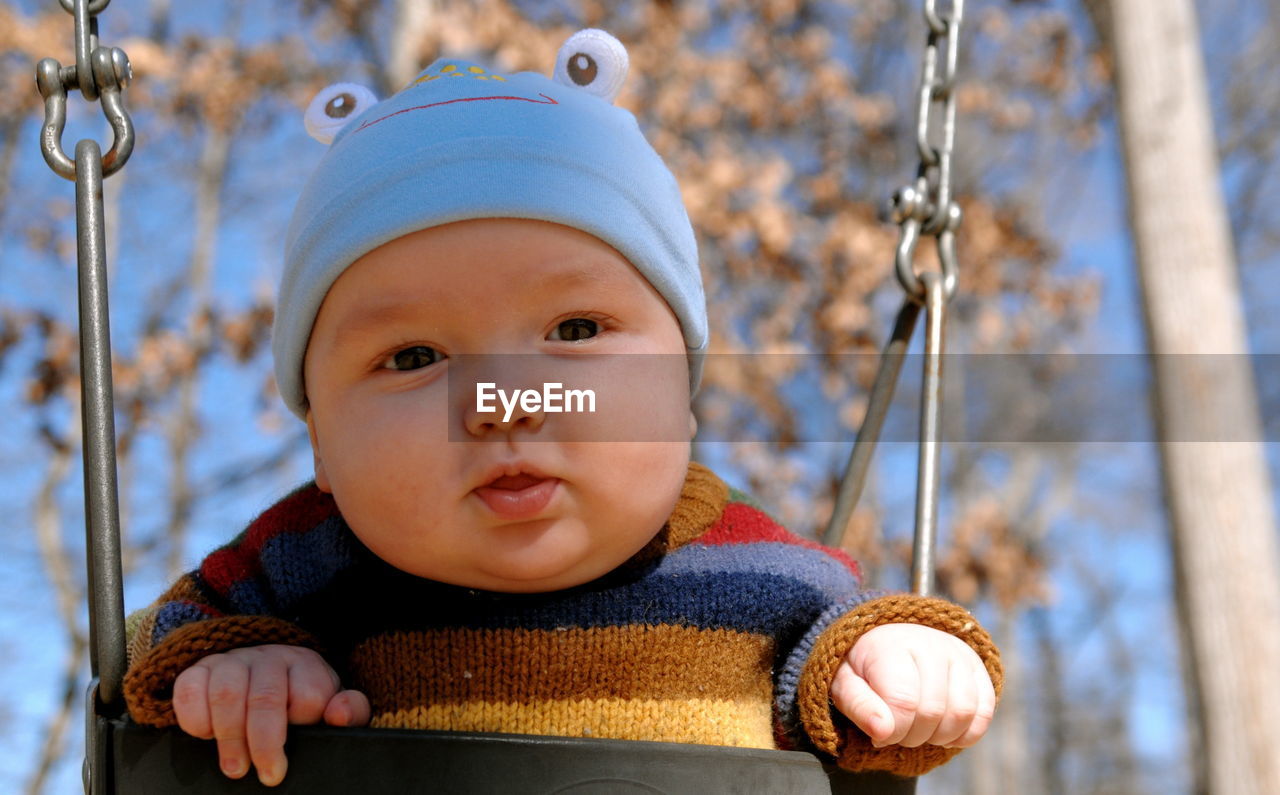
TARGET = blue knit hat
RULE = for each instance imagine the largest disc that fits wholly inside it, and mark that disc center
(461, 142)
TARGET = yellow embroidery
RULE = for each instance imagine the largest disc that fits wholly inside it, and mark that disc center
(451, 70)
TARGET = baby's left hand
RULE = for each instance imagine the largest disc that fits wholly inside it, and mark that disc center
(905, 684)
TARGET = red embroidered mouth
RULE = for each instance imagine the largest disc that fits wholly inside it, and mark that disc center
(546, 100)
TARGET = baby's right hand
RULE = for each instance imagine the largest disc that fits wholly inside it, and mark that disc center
(245, 698)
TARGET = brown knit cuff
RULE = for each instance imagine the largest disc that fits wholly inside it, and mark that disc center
(835, 734)
(148, 685)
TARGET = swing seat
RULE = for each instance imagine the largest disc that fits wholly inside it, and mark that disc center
(136, 758)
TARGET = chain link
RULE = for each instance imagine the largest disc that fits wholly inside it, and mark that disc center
(926, 206)
(99, 73)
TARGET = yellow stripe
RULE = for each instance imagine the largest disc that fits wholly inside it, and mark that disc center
(704, 721)
(403, 670)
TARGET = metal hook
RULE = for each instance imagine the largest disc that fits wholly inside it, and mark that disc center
(912, 211)
(111, 72)
(95, 6)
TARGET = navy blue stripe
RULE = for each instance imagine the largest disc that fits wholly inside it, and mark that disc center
(747, 601)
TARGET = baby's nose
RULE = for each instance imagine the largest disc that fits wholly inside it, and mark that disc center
(499, 410)
(500, 394)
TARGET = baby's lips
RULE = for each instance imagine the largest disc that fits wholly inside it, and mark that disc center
(515, 482)
(518, 503)
(512, 475)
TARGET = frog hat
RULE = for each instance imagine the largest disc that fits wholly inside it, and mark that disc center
(461, 142)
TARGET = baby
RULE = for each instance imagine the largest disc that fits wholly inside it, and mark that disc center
(518, 565)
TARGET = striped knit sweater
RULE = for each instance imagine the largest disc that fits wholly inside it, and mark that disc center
(725, 629)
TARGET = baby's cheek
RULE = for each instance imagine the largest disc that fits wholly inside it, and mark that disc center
(388, 494)
(634, 398)
(405, 541)
(643, 483)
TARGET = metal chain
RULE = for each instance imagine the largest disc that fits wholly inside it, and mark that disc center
(926, 206)
(100, 73)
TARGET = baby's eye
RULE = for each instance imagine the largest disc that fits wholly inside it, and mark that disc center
(412, 358)
(575, 328)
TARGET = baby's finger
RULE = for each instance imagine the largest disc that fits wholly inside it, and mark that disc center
(348, 708)
(932, 704)
(228, 689)
(266, 719)
(312, 683)
(191, 702)
(962, 705)
(984, 713)
(895, 678)
(854, 697)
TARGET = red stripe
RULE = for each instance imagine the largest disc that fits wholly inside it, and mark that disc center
(742, 524)
(297, 513)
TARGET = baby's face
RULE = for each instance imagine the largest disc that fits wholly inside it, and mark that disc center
(534, 501)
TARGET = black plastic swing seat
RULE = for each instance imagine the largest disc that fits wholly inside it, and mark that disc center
(140, 759)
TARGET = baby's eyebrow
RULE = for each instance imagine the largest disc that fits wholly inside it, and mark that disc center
(369, 318)
(366, 318)
(571, 277)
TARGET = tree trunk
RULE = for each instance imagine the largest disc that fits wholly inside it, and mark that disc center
(413, 18)
(1215, 477)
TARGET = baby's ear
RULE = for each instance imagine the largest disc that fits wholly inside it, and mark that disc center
(322, 478)
(334, 108)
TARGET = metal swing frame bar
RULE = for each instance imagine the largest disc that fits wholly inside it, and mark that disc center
(99, 73)
(927, 478)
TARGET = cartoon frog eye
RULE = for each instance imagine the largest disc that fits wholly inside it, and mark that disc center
(593, 60)
(334, 107)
